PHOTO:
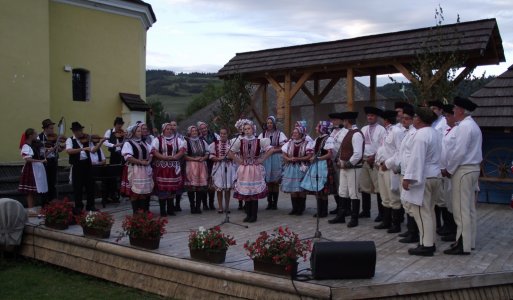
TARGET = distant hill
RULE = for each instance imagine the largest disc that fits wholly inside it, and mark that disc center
(176, 91)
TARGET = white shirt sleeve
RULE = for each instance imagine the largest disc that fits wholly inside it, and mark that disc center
(155, 145)
(26, 152)
(127, 151)
(107, 137)
(357, 142)
(283, 138)
(265, 144)
(285, 148)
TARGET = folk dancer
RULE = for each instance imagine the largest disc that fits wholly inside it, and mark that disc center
(209, 137)
(196, 173)
(240, 133)
(448, 230)
(338, 133)
(350, 161)
(79, 148)
(249, 153)
(373, 133)
(296, 158)
(273, 165)
(33, 175)
(114, 141)
(52, 159)
(318, 179)
(178, 195)
(421, 182)
(391, 198)
(137, 180)
(223, 171)
(463, 161)
(167, 150)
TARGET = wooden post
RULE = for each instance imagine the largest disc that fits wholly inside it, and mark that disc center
(265, 105)
(287, 101)
(373, 90)
(350, 89)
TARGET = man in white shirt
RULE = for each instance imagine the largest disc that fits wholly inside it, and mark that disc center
(338, 133)
(421, 181)
(463, 160)
(373, 134)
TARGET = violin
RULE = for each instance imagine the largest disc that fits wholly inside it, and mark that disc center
(120, 134)
(51, 141)
(95, 138)
(84, 138)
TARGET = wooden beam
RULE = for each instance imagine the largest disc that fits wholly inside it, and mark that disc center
(309, 94)
(277, 86)
(265, 104)
(350, 89)
(373, 89)
(439, 74)
(401, 68)
(254, 98)
(463, 74)
(300, 83)
(328, 88)
(287, 121)
(280, 96)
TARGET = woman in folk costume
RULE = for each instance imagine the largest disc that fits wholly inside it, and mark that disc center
(273, 165)
(302, 124)
(33, 174)
(296, 156)
(250, 185)
(167, 150)
(319, 177)
(137, 179)
(240, 133)
(209, 137)
(196, 174)
(223, 172)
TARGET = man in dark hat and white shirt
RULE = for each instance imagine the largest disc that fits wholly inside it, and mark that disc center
(338, 133)
(373, 134)
(52, 160)
(463, 162)
(114, 138)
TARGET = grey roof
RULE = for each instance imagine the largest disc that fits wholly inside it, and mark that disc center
(495, 102)
(134, 102)
(480, 41)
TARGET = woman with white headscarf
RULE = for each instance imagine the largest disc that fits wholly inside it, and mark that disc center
(196, 174)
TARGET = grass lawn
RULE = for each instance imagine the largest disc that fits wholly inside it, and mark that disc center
(29, 279)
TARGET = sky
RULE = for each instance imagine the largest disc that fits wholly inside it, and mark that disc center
(203, 35)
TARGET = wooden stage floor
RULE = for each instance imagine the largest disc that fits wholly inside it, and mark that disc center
(397, 273)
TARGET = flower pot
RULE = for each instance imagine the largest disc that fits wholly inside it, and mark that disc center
(102, 233)
(268, 266)
(56, 225)
(147, 243)
(212, 256)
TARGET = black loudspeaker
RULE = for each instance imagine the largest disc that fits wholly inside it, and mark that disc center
(343, 260)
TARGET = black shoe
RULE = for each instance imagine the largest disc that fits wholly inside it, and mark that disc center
(177, 208)
(395, 228)
(382, 225)
(352, 223)
(379, 218)
(364, 215)
(241, 205)
(422, 251)
(457, 249)
(404, 234)
(412, 238)
(449, 238)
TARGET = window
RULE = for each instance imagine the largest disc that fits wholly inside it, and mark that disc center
(81, 85)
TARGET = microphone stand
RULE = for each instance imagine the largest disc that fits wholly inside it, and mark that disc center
(227, 201)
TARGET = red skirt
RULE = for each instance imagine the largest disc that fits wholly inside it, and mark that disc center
(27, 181)
(167, 179)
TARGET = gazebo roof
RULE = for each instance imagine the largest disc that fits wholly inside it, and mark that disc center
(495, 102)
(479, 41)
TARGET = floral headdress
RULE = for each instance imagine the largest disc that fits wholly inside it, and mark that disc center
(325, 126)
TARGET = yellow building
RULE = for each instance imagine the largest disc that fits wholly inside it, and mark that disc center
(81, 60)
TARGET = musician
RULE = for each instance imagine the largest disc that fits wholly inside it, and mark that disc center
(209, 137)
(167, 151)
(373, 133)
(338, 133)
(196, 174)
(273, 165)
(137, 180)
(223, 171)
(114, 141)
(79, 149)
(296, 158)
(52, 159)
(250, 185)
(33, 175)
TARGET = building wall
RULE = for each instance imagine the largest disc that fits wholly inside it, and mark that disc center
(24, 71)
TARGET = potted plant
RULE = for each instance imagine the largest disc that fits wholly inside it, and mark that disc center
(209, 245)
(96, 223)
(143, 229)
(278, 252)
(58, 214)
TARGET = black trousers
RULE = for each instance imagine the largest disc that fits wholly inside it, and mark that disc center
(51, 177)
(110, 187)
(81, 178)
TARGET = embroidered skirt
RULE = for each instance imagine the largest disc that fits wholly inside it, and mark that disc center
(223, 175)
(292, 177)
(167, 176)
(250, 184)
(196, 176)
(318, 179)
(27, 181)
(273, 168)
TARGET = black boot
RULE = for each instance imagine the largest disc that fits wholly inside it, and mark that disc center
(341, 215)
(178, 198)
(170, 211)
(323, 208)
(211, 198)
(162, 205)
(200, 197)
(241, 205)
(135, 206)
(146, 204)
(387, 219)
(247, 210)
(337, 201)
(457, 249)
(192, 202)
(422, 250)
(355, 206)
(318, 207)
(301, 204)
(438, 217)
(413, 229)
(347, 208)
(379, 218)
(254, 211)
(366, 205)
(203, 195)
(449, 227)
(294, 201)
(269, 201)
(396, 221)
(275, 200)
(408, 227)
(401, 214)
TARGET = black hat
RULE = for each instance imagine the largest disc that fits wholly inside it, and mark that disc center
(76, 126)
(465, 103)
(400, 104)
(119, 120)
(448, 108)
(408, 110)
(335, 116)
(436, 103)
(47, 122)
(389, 115)
(426, 115)
(373, 110)
(348, 115)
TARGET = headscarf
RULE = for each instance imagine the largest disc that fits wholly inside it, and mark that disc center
(189, 130)
(164, 127)
(273, 119)
(325, 127)
(131, 130)
(301, 125)
(199, 123)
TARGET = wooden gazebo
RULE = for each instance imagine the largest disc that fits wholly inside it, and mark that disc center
(287, 69)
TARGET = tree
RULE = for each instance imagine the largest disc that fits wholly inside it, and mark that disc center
(235, 103)
(156, 117)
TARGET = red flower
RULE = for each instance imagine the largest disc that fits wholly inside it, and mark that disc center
(211, 239)
(143, 225)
